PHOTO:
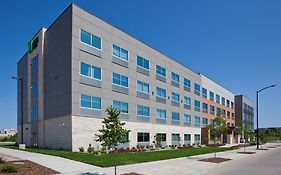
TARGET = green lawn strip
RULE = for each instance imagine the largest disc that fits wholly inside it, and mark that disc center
(106, 160)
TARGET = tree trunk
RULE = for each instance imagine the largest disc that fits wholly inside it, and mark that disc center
(115, 160)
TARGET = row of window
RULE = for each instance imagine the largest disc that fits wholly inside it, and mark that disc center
(218, 110)
(145, 137)
(219, 99)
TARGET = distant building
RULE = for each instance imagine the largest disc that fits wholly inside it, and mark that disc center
(8, 132)
(244, 111)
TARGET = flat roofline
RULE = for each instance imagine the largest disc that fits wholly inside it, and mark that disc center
(245, 97)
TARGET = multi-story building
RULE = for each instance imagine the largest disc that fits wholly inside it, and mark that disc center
(244, 110)
(216, 99)
(80, 65)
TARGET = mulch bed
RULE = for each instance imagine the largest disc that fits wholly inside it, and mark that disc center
(131, 174)
(246, 152)
(215, 160)
(263, 149)
(27, 167)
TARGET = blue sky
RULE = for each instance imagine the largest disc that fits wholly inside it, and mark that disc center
(236, 43)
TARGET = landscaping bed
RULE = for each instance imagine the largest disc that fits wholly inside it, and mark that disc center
(215, 160)
(24, 167)
(246, 152)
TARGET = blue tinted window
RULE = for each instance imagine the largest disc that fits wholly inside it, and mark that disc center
(186, 82)
(197, 104)
(197, 120)
(119, 52)
(222, 100)
(187, 101)
(85, 101)
(204, 92)
(212, 96)
(175, 116)
(116, 50)
(85, 69)
(160, 71)
(187, 118)
(34, 113)
(217, 98)
(160, 92)
(34, 63)
(96, 71)
(34, 88)
(175, 97)
(142, 62)
(212, 109)
(161, 113)
(119, 79)
(197, 87)
(142, 110)
(121, 106)
(175, 77)
(143, 87)
(96, 103)
(85, 37)
(96, 41)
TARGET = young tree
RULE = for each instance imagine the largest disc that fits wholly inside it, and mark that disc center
(244, 131)
(113, 132)
(157, 140)
(218, 128)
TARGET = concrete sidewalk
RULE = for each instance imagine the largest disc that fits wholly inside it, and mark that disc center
(185, 165)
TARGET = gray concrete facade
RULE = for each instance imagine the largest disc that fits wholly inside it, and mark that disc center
(244, 109)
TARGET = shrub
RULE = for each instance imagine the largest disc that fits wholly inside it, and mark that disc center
(91, 149)
(1, 160)
(9, 169)
(81, 149)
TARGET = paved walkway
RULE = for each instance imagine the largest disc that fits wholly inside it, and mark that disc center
(268, 161)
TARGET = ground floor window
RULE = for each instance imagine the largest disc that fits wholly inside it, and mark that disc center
(175, 139)
(143, 137)
(162, 136)
(197, 138)
(187, 137)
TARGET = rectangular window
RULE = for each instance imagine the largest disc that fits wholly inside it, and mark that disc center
(162, 136)
(143, 87)
(187, 137)
(143, 110)
(34, 88)
(187, 118)
(160, 71)
(197, 137)
(34, 63)
(92, 102)
(119, 80)
(121, 106)
(212, 96)
(186, 82)
(232, 105)
(211, 121)
(222, 100)
(204, 92)
(187, 101)
(175, 116)
(217, 98)
(34, 113)
(196, 87)
(227, 103)
(120, 52)
(142, 62)
(197, 120)
(205, 121)
(228, 114)
(205, 108)
(175, 137)
(218, 110)
(143, 137)
(197, 104)
(90, 71)
(232, 116)
(161, 114)
(212, 110)
(175, 97)
(160, 92)
(90, 39)
(175, 77)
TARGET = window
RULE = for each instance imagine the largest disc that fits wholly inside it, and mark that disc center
(187, 101)
(160, 71)
(143, 87)
(205, 121)
(34, 113)
(175, 77)
(212, 96)
(197, 88)
(222, 100)
(162, 136)
(197, 105)
(121, 106)
(90, 71)
(34, 88)
(211, 121)
(160, 92)
(204, 92)
(227, 103)
(120, 52)
(142, 62)
(187, 118)
(119, 80)
(143, 137)
(34, 63)
(197, 137)
(142, 111)
(228, 114)
(218, 110)
(175, 137)
(175, 97)
(197, 120)
(186, 82)
(232, 116)
(187, 137)
(205, 108)
(161, 114)
(90, 39)
(212, 110)
(175, 116)
(217, 98)
(87, 101)
(232, 105)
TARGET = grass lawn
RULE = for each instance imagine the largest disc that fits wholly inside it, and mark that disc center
(106, 160)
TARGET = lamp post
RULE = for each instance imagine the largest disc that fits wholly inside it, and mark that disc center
(21, 101)
(258, 110)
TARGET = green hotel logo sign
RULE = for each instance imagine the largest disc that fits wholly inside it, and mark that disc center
(33, 44)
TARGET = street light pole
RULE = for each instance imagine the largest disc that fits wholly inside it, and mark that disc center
(257, 98)
(21, 101)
